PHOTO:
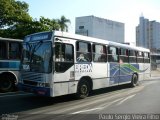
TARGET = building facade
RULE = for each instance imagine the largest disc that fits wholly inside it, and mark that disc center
(148, 34)
(100, 28)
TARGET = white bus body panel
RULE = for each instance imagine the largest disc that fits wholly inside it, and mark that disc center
(147, 73)
(100, 75)
(64, 83)
(141, 74)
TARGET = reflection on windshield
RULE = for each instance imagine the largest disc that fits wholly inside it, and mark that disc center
(37, 57)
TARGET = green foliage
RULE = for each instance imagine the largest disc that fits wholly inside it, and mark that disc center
(15, 21)
(63, 23)
(12, 12)
(49, 24)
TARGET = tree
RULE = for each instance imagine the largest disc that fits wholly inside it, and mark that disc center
(12, 12)
(15, 21)
(63, 23)
(13, 17)
(50, 24)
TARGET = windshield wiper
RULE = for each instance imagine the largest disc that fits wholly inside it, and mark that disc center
(35, 48)
(32, 49)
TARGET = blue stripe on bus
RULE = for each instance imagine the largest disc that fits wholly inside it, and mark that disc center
(120, 73)
(114, 73)
(10, 64)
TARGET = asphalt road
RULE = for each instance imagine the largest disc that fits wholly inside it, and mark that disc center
(111, 103)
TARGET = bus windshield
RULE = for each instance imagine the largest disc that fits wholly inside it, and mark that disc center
(37, 57)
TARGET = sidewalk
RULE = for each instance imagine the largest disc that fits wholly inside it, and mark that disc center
(155, 74)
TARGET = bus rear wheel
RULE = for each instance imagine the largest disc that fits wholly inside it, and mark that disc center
(83, 90)
(6, 85)
(134, 81)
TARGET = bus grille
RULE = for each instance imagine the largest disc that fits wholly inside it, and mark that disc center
(30, 82)
(32, 78)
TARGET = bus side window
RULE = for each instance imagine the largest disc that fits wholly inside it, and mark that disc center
(14, 50)
(63, 52)
(132, 56)
(99, 53)
(140, 57)
(123, 55)
(64, 57)
(146, 57)
(3, 50)
(112, 54)
(59, 53)
(83, 53)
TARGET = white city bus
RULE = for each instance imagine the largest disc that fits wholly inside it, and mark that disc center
(10, 52)
(58, 63)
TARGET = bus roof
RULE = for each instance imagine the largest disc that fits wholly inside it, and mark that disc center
(90, 39)
(129, 46)
(80, 37)
(10, 39)
(97, 40)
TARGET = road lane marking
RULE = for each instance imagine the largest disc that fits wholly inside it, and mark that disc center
(83, 111)
(110, 103)
(98, 108)
(50, 111)
(127, 98)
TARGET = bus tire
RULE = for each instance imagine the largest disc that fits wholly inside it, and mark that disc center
(134, 81)
(6, 85)
(83, 89)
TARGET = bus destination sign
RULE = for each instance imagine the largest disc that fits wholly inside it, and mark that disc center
(41, 36)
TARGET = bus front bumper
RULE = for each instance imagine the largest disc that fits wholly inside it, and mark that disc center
(33, 89)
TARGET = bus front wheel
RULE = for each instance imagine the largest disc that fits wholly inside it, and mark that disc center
(83, 89)
(134, 81)
(6, 85)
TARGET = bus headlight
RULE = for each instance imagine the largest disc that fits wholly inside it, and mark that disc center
(43, 85)
(40, 85)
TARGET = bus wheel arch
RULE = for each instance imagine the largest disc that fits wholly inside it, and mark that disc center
(84, 87)
(134, 81)
(7, 81)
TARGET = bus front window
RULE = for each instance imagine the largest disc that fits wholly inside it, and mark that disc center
(37, 57)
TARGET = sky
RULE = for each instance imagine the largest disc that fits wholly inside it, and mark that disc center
(125, 11)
